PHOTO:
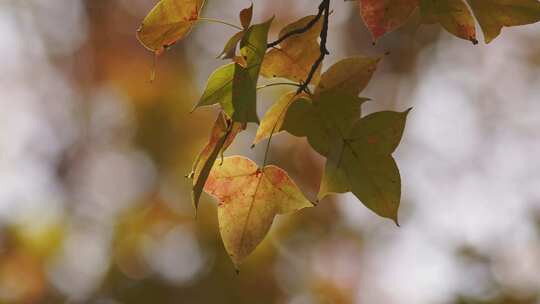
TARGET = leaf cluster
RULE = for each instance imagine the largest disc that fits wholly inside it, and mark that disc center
(325, 108)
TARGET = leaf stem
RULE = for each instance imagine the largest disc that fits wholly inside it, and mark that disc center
(213, 20)
(279, 84)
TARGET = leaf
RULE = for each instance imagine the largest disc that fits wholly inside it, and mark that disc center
(249, 199)
(244, 100)
(383, 16)
(168, 22)
(245, 16)
(295, 56)
(239, 81)
(222, 135)
(273, 119)
(453, 15)
(350, 75)
(358, 151)
(219, 87)
(229, 50)
(493, 15)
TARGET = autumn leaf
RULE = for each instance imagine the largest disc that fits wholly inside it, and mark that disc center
(453, 15)
(294, 57)
(493, 15)
(350, 75)
(222, 135)
(234, 85)
(273, 119)
(168, 22)
(358, 152)
(249, 199)
(245, 16)
(383, 16)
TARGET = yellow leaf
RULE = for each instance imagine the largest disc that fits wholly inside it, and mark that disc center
(453, 15)
(249, 199)
(493, 15)
(273, 119)
(295, 56)
(168, 22)
(222, 135)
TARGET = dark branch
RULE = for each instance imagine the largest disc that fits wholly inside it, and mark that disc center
(324, 7)
(300, 30)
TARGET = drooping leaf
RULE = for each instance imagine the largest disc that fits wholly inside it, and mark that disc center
(168, 22)
(383, 16)
(237, 80)
(350, 75)
(453, 15)
(222, 135)
(295, 56)
(493, 15)
(249, 199)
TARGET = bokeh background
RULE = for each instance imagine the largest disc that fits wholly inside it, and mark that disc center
(94, 206)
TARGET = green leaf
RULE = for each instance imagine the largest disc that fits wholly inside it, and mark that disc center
(493, 15)
(219, 87)
(350, 75)
(295, 56)
(221, 137)
(358, 151)
(234, 80)
(244, 100)
(249, 199)
(375, 181)
(168, 22)
(453, 15)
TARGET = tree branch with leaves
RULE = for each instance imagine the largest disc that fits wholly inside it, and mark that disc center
(325, 108)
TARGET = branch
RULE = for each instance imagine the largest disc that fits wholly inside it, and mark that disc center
(324, 7)
(300, 30)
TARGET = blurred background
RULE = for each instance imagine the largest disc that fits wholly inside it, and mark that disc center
(94, 206)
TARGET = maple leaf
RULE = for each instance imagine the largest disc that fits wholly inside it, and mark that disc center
(249, 199)
(294, 56)
(168, 22)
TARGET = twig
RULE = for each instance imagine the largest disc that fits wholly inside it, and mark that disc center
(325, 8)
(300, 30)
